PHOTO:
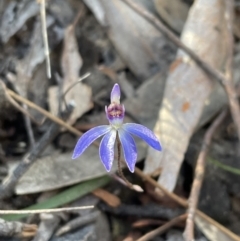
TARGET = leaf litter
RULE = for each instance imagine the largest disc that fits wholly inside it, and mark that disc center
(162, 89)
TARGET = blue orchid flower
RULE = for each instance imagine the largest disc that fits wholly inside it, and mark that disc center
(115, 113)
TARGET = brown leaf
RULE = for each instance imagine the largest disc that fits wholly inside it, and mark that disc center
(144, 105)
(111, 199)
(26, 66)
(71, 63)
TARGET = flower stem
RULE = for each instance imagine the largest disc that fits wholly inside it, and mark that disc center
(120, 172)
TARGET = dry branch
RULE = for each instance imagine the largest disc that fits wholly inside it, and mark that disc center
(78, 222)
(199, 175)
(45, 36)
(229, 84)
(150, 235)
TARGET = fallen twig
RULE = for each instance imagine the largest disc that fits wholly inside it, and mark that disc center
(150, 235)
(28, 126)
(225, 81)
(199, 175)
(10, 100)
(229, 84)
(43, 111)
(37, 211)
(78, 222)
(45, 36)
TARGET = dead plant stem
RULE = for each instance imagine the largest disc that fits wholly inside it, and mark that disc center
(37, 211)
(120, 172)
(45, 36)
(150, 235)
(199, 175)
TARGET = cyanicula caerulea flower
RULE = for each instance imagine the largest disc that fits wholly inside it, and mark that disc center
(115, 114)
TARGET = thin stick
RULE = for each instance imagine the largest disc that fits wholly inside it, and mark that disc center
(15, 104)
(211, 72)
(150, 235)
(75, 83)
(78, 222)
(36, 211)
(44, 112)
(45, 36)
(173, 196)
(80, 14)
(199, 175)
(28, 126)
(229, 85)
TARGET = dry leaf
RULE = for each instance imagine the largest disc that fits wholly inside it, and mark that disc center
(35, 56)
(140, 45)
(111, 199)
(173, 12)
(212, 232)
(187, 88)
(71, 63)
(144, 105)
(218, 98)
(15, 16)
(59, 170)
(37, 90)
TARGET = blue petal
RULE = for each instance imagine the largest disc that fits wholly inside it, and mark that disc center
(106, 150)
(87, 138)
(129, 149)
(143, 133)
(115, 94)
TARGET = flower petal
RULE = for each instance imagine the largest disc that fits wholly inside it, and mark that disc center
(88, 137)
(143, 133)
(106, 150)
(115, 94)
(129, 148)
